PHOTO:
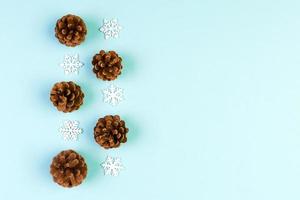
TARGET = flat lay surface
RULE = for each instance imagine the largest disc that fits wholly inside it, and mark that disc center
(211, 99)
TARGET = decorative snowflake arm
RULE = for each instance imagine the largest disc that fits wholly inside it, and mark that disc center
(71, 64)
(112, 166)
(110, 28)
(70, 130)
(113, 95)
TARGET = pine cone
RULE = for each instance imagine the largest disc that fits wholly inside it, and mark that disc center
(110, 131)
(66, 96)
(68, 168)
(70, 30)
(107, 65)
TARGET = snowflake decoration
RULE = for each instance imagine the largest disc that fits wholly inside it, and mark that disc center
(112, 166)
(110, 28)
(71, 64)
(113, 95)
(70, 130)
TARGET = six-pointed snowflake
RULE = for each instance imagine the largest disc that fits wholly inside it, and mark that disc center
(70, 130)
(71, 64)
(112, 166)
(113, 95)
(110, 28)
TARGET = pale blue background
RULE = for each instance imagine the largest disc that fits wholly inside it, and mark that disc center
(212, 99)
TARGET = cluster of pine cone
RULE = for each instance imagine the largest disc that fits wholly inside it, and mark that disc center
(69, 168)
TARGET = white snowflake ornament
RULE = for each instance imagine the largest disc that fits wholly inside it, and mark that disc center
(71, 64)
(112, 166)
(70, 130)
(110, 28)
(113, 95)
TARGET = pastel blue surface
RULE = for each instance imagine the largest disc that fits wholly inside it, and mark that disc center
(212, 99)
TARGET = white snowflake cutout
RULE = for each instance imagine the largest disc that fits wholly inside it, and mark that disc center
(71, 64)
(70, 130)
(110, 28)
(113, 95)
(112, 166)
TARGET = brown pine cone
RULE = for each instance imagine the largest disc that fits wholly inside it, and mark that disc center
(107, 65)
(110, 131)
(70, 30)
(68, 168)
(66, 96)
